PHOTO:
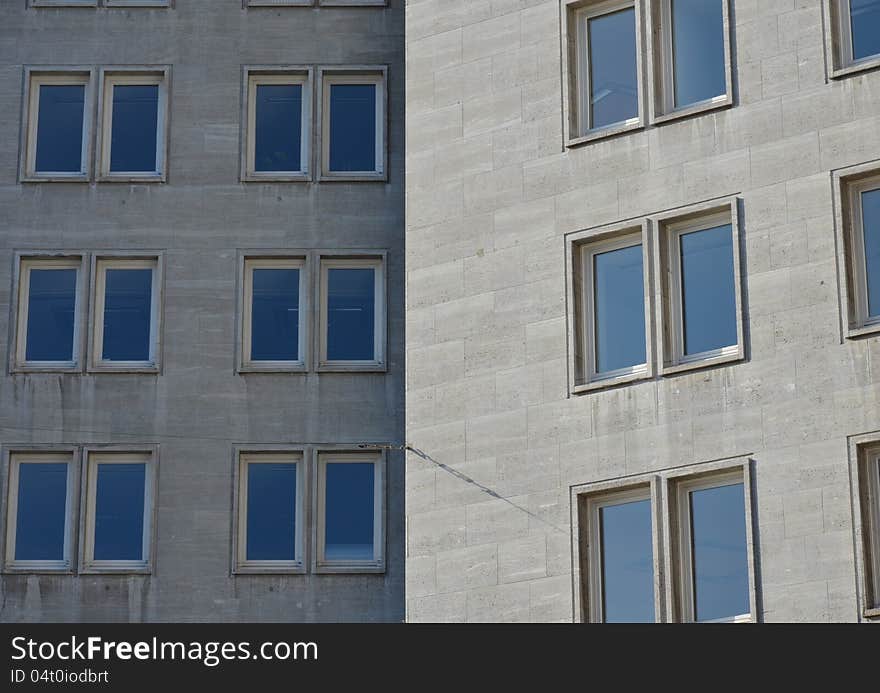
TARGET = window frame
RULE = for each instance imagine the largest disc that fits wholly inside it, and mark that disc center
(24, 263)
(13, 458)
(34, 78)
(849, 184)
(100, 263)
(288, 74)
(678, 527)
(838, 42)
(576, 14)
(588, 501)
(341, 455)
(273, 454)
(111, 77)
(355, 74)
(660, 50)
(582, 247)
(667, 233)
(278, 260)
(92, 456)
(342, 260)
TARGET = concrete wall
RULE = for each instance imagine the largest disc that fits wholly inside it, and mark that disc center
(491, 193)
(198, 408)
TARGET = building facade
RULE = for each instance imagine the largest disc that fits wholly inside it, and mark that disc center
(642, 348)
(201, 281)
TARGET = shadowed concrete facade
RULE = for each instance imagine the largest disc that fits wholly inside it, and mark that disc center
(198, 408)
(493, 192)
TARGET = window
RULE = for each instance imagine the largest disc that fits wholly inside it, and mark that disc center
(621, 557)
(865, 465)
(57, 134)
(712, 549)
(48, 326)
(119, 511)
(126, 314)
(611, 280)
(270, 512)
(700, 560)
(278, 125)
(702, 288)
(605, 67)
(353, 124)
(39, 510)
(274, 314)
(133, 132)
(350, 512)
(859, 191)
(854, 43)
(352, 313)
(693, 53)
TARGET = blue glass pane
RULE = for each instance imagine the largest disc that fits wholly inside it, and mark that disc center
(60, 128)
(698, 50)
(51, 315)
(135, 119)
(119, 512)
(613, 76)
(865, 15)
(620, 309)
(349, 511)
(271, 512)
(351, 306)
(128, 300)
(721, 571)
(278, 127)
(353, 127)
(871, 225)
(707, 289)
(275, 315)
(42, 509)
(627, 563)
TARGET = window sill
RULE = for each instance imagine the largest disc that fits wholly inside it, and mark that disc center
(352, 3)
(287, 3)
(286, 569)
(36, 178)
(696, 109)
(276, 178)
(26, 369)
(872, 613)
(64, 3)
(609, 383)
(708, 362)
(116, 570)
(272, 368)
(352, 367)
(855, 68)
(34, 569)
(137, 3)
(605, 133)
(353, 178)
(148, 370)
(350, 568)
(110, 178)
(863, 331)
